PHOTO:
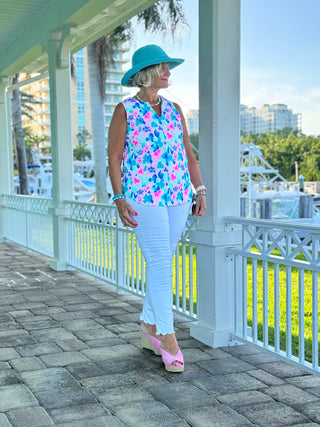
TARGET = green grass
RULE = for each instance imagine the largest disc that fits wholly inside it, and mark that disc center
(92, 248)
(295, 333)
(94, 251)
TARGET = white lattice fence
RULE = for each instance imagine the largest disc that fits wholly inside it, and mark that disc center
(27, 222)
(101, 246)
(276, 284)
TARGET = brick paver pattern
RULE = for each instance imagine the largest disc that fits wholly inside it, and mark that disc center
(70, 355)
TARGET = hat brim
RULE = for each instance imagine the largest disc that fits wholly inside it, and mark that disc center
(126, 79)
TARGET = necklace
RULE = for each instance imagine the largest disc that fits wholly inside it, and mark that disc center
(151, 105)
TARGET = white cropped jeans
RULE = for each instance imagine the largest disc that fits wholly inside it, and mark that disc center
(158, 233)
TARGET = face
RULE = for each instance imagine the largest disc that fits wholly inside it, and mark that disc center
(163, 80)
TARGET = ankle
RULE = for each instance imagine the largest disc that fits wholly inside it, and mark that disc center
(148, 329)
(169, 343)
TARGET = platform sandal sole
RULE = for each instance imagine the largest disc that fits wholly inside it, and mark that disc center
(146, 343)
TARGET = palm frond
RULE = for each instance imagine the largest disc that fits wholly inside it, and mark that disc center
(164, 15)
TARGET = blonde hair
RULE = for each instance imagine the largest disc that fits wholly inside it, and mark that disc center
(146, 76)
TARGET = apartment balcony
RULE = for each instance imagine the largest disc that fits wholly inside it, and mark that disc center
(114, 80)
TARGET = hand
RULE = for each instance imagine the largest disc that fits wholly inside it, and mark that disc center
(125, 212)
(200, 205)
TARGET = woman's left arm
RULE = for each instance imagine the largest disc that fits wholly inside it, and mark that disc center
(193, 167)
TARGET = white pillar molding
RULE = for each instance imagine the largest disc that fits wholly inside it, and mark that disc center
(58, 48)
(219, 143)
(6, 149)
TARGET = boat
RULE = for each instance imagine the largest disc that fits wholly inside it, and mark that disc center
(84, 186)
(265, 193)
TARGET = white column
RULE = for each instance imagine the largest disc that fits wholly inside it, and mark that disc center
(61, 141)
(219, 143)
(6, 152)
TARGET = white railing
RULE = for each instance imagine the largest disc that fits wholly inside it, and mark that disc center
(276, 288)
(99, 245)
(27, 221)
(102, 247)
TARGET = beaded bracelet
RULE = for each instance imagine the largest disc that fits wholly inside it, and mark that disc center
(118, 196)
(201, 194)
(201, 187)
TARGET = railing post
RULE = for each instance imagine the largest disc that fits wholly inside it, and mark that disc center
(58, 47)
(219, 90)
(6, 155)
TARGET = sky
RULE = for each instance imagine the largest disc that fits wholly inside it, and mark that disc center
(280, 57)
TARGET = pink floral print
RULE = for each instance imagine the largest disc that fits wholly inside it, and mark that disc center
(155, 168)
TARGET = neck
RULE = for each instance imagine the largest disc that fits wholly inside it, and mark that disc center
(148, 95)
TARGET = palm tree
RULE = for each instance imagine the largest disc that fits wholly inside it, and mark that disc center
(19, 137)
(162, 16)
(33, 141)
(100, 56)
(22, 104)
(81, 151)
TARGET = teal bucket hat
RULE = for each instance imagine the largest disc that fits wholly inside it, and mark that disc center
(146, 56)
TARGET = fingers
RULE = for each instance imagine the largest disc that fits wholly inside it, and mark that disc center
(126, 212)
(200, 206)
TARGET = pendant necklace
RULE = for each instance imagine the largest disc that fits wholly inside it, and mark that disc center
(151, 105)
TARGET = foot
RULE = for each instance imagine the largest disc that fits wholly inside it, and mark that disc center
(169, 343)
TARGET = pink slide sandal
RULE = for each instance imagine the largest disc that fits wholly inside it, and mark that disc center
(168, 360)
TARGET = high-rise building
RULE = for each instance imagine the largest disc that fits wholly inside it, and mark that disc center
(40, 124)
(192, 121)
(80, 94)
(270, 118)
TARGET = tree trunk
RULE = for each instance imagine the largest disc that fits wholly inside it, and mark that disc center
(19, 138)
(98, 127)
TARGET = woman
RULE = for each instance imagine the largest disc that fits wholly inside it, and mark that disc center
(153, 190)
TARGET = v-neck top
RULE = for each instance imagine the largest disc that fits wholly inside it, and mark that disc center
(155, 167)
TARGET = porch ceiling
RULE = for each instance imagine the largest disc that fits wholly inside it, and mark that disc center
(25, 25)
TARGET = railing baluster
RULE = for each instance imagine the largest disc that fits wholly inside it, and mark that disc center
(288, 313)
(141, 272)
(301, 316)
(100, 254)
(183, 267)
(177, 279)
(191, 280)
(237, 297)
(265, 304)
(276, 309)
(244, 298)
(132, 258)
(315, 322)
(127, 259)
(112, 254)
(254, 301)
(137, 290)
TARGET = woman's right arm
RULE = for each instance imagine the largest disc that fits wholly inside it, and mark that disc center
(116, 142)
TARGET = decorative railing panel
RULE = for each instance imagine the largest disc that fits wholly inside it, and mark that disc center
(276, 288)
(27, 221)
(101, 246)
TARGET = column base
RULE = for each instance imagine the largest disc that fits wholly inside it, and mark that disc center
(212, 338)
(58, 265)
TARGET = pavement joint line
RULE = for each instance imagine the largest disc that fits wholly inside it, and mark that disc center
(21, 275)
(46, 274)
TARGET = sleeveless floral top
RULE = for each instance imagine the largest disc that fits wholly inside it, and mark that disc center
(155, 169)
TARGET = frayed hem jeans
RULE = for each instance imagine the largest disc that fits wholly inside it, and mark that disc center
(158, 233)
